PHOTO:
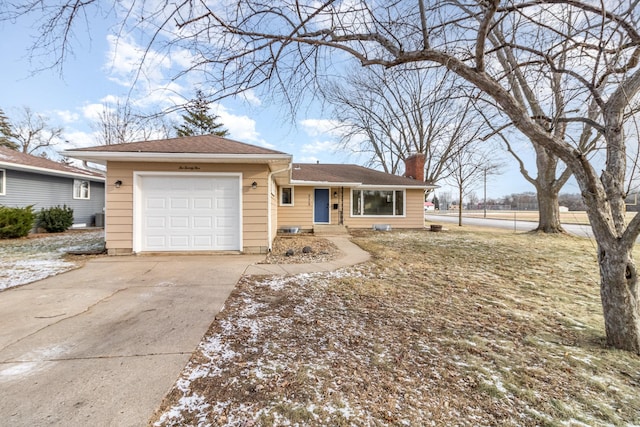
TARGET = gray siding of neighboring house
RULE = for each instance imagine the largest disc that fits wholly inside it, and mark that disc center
(45, 191)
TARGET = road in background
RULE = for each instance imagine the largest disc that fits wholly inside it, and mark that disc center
(581, 230)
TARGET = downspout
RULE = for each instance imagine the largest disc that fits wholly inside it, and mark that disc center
(269, 219)
(85, 165)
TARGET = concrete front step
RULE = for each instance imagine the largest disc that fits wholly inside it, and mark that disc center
(329, 230)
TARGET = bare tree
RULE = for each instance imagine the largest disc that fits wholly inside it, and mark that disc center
(393, 113)
(468, 166)
(33, 134)
(526, 86)
(118, 123)
(292, 46)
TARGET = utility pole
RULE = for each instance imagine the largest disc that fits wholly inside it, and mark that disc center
(484, 204)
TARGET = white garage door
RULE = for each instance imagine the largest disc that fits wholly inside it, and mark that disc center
(194, 213)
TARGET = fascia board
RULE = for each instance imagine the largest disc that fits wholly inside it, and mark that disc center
(324, 183)
(102, 157)
(373, 186)
(45, 171)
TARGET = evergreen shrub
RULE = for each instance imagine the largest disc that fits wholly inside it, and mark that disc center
(15, 222)
(55, 219)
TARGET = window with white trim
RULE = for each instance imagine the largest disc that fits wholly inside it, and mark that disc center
(81, 189)
(377, 202)
(286, 196)
(3, 182)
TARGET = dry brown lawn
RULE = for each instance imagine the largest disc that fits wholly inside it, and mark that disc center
(465, 327)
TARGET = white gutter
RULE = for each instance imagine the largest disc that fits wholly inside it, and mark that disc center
(54, 172)
(103, 156)
(301, 183)
(324, 183)
(391, 187)
(269, 219)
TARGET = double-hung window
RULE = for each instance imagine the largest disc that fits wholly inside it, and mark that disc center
(377, 202)
(286, 196)
(81, 189)
(3, 182)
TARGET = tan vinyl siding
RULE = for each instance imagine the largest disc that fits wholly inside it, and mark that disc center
(119, 201)
(300, 214)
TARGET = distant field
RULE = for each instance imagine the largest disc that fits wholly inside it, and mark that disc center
(577, 217)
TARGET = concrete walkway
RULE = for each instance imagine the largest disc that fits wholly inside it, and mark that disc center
(351, 255)
(102, 345)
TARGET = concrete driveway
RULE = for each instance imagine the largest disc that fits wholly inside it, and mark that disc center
(103, 344)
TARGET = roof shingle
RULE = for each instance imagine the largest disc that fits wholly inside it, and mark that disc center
(202, 144)
(9, 156)
(341, 173)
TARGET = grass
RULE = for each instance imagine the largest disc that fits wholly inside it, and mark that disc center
(464, 327)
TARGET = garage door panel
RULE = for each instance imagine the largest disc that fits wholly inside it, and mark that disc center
(190, 213)
(203, 241)
(224, 241)
(156, 242)
(180, 222)
(224, 222)
(156, 222)
(155, 203)
(203, 222)
(225, 203)
(203, 203)
(179, 242)
(179, 203)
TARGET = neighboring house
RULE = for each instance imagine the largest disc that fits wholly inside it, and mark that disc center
(207, 193)
(31, 180)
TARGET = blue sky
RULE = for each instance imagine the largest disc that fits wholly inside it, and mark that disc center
(100, 69)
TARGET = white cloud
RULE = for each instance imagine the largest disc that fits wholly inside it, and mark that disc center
(93, 112)
(67, 116)
(251, 97)
(317, 147)
(77, 139)
(149, 71)
(320, 127)
(241, 128)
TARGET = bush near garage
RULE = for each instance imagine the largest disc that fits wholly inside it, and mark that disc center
(56, 219)
(15, 222)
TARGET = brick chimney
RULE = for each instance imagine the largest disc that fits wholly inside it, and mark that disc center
(414, 166)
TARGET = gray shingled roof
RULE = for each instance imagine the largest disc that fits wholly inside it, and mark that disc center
(340, 173)
(203, 144)
(27, 161)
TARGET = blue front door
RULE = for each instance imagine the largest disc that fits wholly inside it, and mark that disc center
(321, 205)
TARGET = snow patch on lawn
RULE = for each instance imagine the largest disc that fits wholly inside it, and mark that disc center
(216, 357)
(24, 261)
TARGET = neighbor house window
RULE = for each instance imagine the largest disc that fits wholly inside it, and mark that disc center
(286, 196)
(377, 203)
(3, 181)
(80, 189)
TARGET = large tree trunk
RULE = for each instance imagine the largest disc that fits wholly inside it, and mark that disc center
(619, 294)
(549, 220)
(547, 189)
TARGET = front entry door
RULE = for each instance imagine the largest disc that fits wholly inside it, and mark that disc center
(321, 205)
